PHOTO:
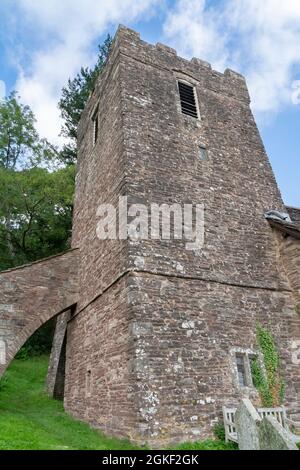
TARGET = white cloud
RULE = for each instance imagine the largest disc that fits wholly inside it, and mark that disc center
(72, 26)
(2, 89)
(296, 92)
(195, 30)
(259, 38)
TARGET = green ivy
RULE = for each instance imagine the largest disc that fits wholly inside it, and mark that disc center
(261, 384)
(270, 385)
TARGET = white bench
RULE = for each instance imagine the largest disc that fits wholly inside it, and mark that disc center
(278, 413)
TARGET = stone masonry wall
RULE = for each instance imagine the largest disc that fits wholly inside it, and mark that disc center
(185, 331)
(235, 183)
(55, 382)
(100, 179)
(294, 213)
(99, 380)
(33, 294)
(149, 350)
(239, 261)
(289, 249)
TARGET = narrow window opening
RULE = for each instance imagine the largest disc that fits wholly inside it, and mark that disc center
(241, 369)
(244, 362)
(95, 120)
(88, 382)
(188, 99)
(202, 153)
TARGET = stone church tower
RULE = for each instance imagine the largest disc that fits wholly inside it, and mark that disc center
(152, 343)
(159, 338)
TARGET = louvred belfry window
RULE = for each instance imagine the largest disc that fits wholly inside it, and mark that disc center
(188, 99)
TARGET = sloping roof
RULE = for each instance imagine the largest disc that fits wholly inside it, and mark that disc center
(289, 228)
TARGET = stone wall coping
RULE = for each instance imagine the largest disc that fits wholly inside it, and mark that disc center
(28, 265)
(169, 50)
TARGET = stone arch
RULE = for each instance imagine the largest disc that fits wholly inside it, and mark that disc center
(33, 294)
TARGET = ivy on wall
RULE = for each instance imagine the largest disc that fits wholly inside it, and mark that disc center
(268, 382)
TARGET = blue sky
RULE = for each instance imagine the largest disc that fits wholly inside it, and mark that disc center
(44, 43)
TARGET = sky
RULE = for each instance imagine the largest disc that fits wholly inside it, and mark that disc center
(43, 43)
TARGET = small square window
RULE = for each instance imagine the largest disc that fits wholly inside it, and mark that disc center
(202, 153)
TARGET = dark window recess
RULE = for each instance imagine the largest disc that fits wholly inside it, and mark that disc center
(244, 368)
(188, 99)
(95, 120)
(202, 153)
(242, 377)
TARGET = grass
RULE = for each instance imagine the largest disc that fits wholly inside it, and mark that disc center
(209, 444)
(30, 420)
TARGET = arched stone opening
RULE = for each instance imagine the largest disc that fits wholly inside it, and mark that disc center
(30, 296)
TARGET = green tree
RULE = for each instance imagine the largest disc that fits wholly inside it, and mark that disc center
(74, 98)
(20, 145)
(35, 203)
(35, 214)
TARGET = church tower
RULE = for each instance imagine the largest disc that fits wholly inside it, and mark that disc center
(163, 336)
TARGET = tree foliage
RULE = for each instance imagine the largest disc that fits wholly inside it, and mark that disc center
(20, 145)
(40, 343)
(74, 98)
(35, 202)
(35, 214)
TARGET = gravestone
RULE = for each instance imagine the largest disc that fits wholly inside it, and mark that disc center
(255, 433)
(247, 422)
(272, 436)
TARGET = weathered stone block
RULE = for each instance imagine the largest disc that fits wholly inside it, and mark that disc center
(247, 425)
